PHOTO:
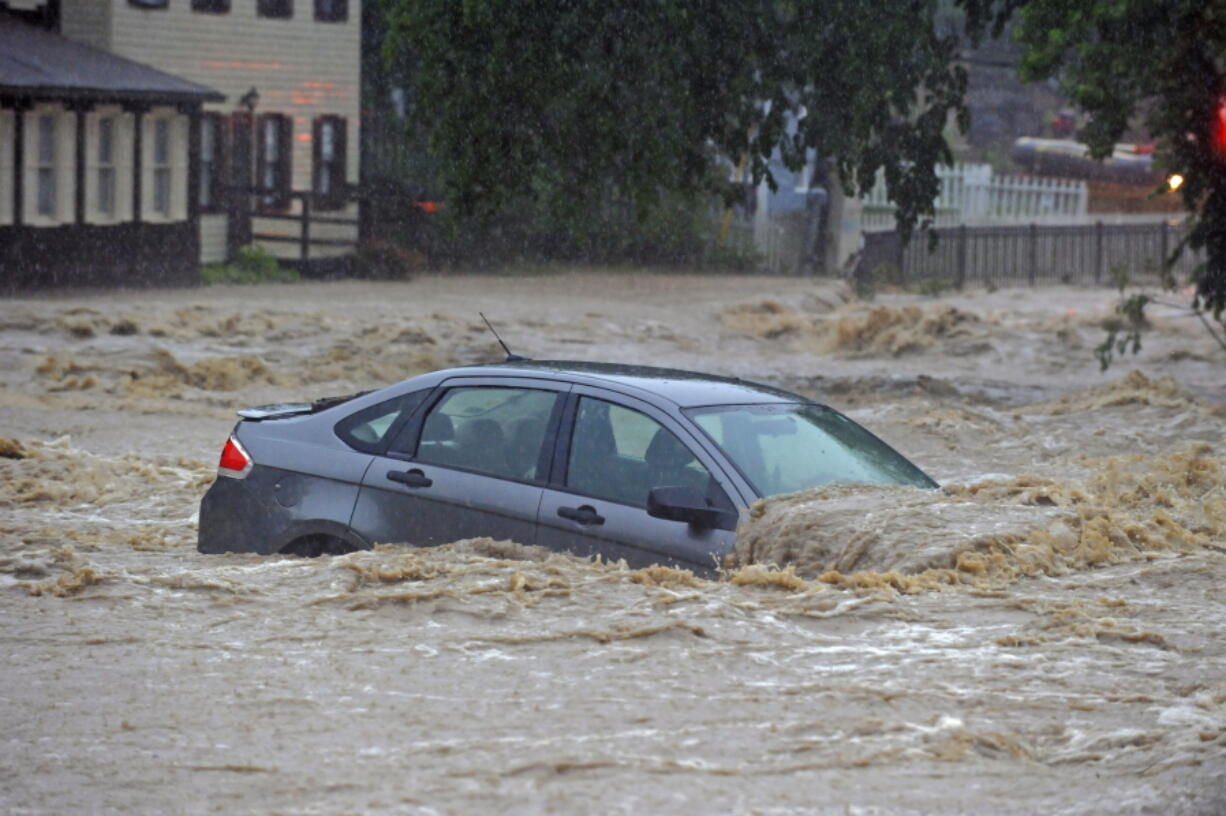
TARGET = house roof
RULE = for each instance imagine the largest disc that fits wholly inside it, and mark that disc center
(35, 62)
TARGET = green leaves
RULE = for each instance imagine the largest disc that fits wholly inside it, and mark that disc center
(575, 109)
(563, 102)
(1159, 64)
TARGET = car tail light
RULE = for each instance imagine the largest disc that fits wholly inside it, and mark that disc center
(235, 461)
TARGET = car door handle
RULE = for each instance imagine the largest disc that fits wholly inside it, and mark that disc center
(586, 514)
(410, 478)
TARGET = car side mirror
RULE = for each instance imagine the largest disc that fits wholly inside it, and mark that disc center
(682, 504)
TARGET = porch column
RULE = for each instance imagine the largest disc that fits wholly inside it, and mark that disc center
(81, 109)
(19, 108)
(138, 152)
(193, 114)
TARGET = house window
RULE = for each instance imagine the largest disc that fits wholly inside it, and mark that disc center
(211, 147)
(332, 11)
(108, 166)
(161, 167)
(105, 166)
(164, 165)
(211, 6)
(275, 8)
(149, 4)
(46, 170)
(329, 175)
(273, 161)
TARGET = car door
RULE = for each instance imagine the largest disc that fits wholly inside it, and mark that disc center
(472, 464)
(612, 450)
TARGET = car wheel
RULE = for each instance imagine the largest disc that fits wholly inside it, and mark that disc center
(313, 546)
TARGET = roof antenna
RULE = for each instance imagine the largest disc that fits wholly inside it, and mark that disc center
(511, 358)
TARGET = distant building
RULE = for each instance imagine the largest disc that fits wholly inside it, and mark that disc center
(152, 122)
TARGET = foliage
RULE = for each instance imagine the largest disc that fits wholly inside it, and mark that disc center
(1123, 330)
(1159, 62)
(563, 111)
(384, 260)
(570, 106)
(933, 287)
(253, 265)
(680, 233)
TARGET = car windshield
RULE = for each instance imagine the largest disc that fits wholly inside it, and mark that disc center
(784, 448)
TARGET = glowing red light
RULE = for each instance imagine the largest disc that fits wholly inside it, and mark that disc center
(1219, 128)
(234, 460)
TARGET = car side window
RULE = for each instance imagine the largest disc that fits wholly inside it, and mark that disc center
(620, 454)
(366, 429)
(489, 429)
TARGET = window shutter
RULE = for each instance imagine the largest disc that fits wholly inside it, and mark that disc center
(7, 148)
(285, 177)
(317, 169)
(341, 163)
(242, 153)
(66, 167)
(261, 153)
(178, 167)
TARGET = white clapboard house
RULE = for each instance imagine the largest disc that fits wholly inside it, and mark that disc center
(140, 138)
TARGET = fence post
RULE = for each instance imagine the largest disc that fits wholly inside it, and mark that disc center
(1165, 248)
(304, 251)
(962, 251)
(1034, 253)
(902, 275)
(1097, 251)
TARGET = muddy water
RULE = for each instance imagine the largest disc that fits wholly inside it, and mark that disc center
(1045, 636)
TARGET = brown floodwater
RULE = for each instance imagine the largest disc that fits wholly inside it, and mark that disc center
(1043, 636)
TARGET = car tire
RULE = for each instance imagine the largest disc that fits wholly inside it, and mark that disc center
(313, 546)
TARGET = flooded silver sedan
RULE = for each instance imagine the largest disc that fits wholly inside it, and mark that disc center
(637, 463)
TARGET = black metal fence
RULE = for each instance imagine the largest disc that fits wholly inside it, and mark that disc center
(1028, 254)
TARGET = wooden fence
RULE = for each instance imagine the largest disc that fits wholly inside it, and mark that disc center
(1031, 254)
(973, 194)
(303, 220)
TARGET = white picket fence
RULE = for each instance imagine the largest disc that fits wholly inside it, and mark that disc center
(972, 194)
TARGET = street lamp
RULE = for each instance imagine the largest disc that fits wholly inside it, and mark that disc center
(250, 99)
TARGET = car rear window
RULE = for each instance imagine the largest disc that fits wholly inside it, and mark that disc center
(366, 429)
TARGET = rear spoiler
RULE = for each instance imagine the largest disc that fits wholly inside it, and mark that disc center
(281, 410)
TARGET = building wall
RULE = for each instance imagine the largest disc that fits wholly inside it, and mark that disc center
(300, 67)
(87, 21)
(130, 254)
(212, 238)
